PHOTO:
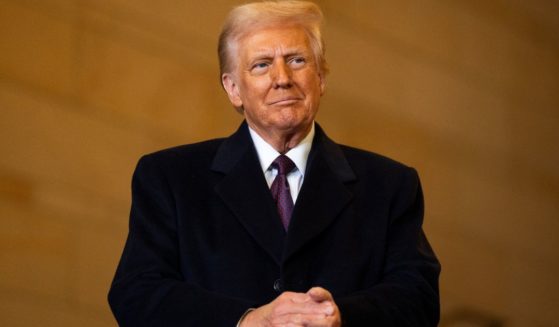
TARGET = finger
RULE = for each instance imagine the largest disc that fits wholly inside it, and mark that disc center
(330, 321)
(299, 320)
(319, 294)
(298, 297)
(288, 307)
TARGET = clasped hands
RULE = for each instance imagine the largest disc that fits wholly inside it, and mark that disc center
(315, 308)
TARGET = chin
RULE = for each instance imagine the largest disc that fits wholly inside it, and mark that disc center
(292, 126)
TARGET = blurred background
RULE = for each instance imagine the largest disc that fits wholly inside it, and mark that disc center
(466, 91)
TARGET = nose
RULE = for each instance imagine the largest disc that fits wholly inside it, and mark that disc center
(281, 75)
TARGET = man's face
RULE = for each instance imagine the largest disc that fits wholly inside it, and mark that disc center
(276, 81)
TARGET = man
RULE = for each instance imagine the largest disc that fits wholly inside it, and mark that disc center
(276, 225)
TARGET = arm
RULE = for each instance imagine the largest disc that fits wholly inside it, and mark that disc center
(148, 288)
(408, 293)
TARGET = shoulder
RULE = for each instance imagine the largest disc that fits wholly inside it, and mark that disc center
(364, 159)
(181, 158)
(378, 168)
(208, 147)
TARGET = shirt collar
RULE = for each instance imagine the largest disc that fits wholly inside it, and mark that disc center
(267, 154)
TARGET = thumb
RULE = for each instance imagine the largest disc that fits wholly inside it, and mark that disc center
(319, 294)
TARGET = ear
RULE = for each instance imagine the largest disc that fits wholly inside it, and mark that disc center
(322, 82)
(232, 89)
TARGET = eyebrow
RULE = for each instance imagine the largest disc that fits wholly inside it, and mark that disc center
(267, 54)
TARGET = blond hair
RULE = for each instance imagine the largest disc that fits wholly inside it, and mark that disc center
(257, 15)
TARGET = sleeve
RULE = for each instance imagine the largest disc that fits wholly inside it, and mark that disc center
(148, 288)
(408, 294)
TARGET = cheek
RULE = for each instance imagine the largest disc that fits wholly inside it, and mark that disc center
(313, 83)
(314, 91)
(257, 84)
(253, 94)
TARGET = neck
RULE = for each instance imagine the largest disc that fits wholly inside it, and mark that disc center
(282, 141)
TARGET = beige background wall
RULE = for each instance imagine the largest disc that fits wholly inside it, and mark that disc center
(466, 91)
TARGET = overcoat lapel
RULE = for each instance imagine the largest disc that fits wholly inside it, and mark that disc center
(246, 194)
(323, 196)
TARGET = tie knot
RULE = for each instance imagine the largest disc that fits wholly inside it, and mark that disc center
(283, 164)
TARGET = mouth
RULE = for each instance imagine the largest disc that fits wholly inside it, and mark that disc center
(285, 101)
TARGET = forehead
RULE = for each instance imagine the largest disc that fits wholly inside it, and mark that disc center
(279, 38)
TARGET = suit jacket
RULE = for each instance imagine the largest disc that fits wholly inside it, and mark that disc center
(206, 243)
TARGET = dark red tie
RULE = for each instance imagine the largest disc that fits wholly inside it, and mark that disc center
(280, 188)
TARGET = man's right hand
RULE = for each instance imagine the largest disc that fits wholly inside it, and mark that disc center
(291, 310)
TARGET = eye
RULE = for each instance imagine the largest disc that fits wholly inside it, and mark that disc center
(297, 62)
(259, 67)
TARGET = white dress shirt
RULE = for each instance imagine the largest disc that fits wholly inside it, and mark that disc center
(299, 155)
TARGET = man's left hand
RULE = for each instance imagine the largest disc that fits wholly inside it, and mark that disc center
(319, 294)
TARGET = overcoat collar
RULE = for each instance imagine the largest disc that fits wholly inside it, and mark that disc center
(244, 190)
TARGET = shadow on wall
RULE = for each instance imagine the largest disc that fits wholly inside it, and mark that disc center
(467, 317)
